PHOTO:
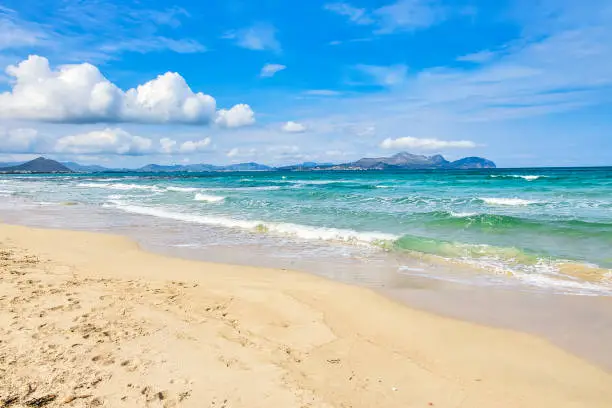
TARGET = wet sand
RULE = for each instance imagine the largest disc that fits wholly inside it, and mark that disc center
(579, 324)
(92, 320)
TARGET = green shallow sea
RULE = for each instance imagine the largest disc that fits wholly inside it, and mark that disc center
(535, 222)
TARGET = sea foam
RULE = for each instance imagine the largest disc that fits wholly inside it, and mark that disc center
(208, 198)
(182, 189)
(462, 214)
(120, 186)
(297, 230)
(506, 201)
(524, 177)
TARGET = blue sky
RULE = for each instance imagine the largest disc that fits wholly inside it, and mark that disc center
(520, 82)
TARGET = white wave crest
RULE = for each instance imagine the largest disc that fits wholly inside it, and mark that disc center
(208, 198)
(318, 182)
(462, 214)
(182, 189)
(297, 230)
(120, 186)
(506, 201)
(524, 177)
(260, 188)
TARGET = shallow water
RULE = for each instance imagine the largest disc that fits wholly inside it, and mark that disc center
(529, 229)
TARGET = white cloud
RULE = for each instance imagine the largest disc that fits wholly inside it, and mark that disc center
(194, 146)
(157, 43)
(408, 15)
(425, 144)
(258, 37)
(95, 31)
(322, 92)
(401, 15)
(385, 75)
(19, 140)
(361, 130)
(293, 127)
(116, 141)
(170, 146)
(266, 154)
(167, 145)
(107, 141)
(478, 57)
(241, 152)
(237, 116)
(81, 94)
(269, 70)
(15, 33)
(354, 14)
(283, 149)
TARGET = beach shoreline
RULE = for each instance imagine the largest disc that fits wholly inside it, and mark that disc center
(578, 324)
(92, 319)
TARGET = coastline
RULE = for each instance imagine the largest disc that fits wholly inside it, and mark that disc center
(568, 321)
(190, 333)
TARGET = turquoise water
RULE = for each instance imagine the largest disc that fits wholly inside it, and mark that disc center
(548, 222)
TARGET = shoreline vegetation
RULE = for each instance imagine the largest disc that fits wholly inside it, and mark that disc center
(89, 319)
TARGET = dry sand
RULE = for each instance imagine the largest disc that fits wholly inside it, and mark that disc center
(91, 320)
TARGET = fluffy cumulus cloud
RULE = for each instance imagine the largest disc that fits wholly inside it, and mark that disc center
(194, 146)
(171, 146)
(293, 127)
(241, 152)
(19, 140)
(107, 141)
(239, 115)
(269, 70)
(81, 94)
(116, 141)
(425, 144)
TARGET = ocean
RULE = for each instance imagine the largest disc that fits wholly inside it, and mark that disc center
(531, 229)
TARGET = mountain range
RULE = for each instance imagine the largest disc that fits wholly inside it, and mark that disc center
(39, 165)
(404, 160)
(399, 161)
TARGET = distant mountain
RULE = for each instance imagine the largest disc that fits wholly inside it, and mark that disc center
(39, 165)
(153, 168)
(399, 161)
(405, 161)
(247, 167)
(157, 168)
(80, 168)
(472, 163)
(304, 166)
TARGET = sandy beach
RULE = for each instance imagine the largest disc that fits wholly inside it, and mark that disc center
(92, 320)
